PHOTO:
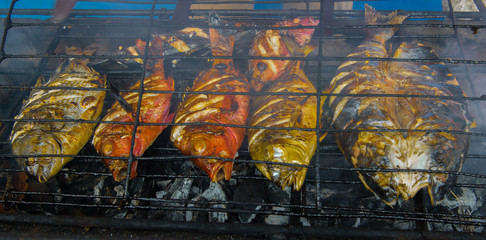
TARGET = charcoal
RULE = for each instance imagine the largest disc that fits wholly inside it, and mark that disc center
(459, 201)
(276, 194)
(213, 193)
(274, 219)
(251, 194)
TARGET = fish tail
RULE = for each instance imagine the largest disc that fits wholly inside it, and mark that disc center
(372, 17)
(222, 39)
(156, 48)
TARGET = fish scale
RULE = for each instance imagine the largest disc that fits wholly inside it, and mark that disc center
(403, 150)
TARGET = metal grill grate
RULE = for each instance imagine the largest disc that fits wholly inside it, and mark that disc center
(333, 202)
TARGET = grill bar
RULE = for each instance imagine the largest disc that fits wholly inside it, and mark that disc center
(254, 229)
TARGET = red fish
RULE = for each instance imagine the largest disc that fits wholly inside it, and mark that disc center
(114, 140)
(211, 140)
(269, 43)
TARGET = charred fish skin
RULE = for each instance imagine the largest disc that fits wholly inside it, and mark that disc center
(285, 111)
(378, 141)
(270, 43)
(55, 103)
(114, 140)
(214, 140)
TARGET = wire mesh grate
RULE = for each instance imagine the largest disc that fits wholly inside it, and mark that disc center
(169, 189)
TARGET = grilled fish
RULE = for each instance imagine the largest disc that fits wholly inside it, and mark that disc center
(285, 111)
(114, 140)
(35, 135)
(395, 132)
(269, 43)
(211, 140)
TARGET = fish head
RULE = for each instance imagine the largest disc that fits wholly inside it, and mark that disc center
(301, 36)
(284, 156)
(118, 147)
(216, 142)
(262, 71)
(409, 162)
(42, 168)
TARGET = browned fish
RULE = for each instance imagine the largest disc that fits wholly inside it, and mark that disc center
(410, 134)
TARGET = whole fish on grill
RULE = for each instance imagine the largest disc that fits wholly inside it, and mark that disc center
(395, 132)
(285, 111)
(212, 140)
(270, 43)
(114, 140)
(66, 134)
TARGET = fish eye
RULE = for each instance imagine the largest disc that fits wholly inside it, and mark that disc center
(221, 66)
(262, 66)
(173, 39)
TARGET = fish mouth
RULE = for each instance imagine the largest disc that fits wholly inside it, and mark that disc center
(119, 169)
(408, 184)
(42, 168)
(213, 167)
(284, 175)
(389, 186)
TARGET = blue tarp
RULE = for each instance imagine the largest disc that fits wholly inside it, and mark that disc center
(413, 5)
(409, 5)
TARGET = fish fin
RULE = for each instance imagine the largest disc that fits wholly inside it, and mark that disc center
(473, 124)
(183, 98)
(372, 17)
(40, 81)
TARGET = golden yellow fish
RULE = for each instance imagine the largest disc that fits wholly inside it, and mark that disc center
(285, 111)
(36, 136)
